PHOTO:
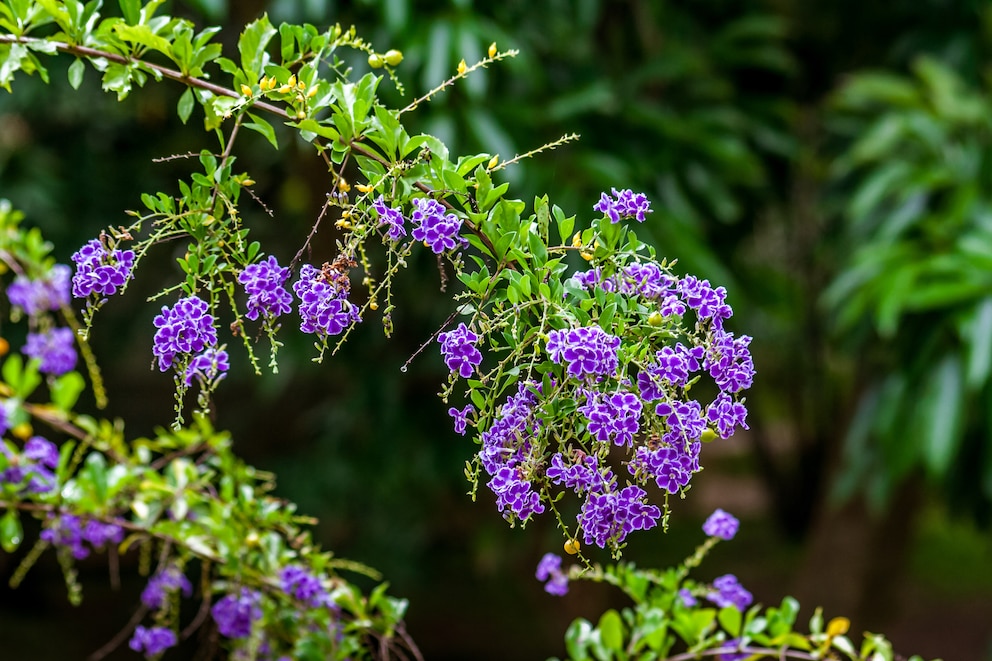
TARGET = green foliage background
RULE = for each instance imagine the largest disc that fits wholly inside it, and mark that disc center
(827, 162)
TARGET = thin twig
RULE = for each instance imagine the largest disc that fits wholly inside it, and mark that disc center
(118, 640)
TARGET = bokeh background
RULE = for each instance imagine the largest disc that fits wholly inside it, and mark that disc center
(829, 162)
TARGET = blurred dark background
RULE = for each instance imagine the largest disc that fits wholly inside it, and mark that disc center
(828, 162)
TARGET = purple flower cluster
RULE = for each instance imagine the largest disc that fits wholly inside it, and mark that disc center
(267, 295)
(324, 306)
(164, 583)
(587, 351)
(549, 569)
(672, 365)
(207, 367)
(303, 586)
(671, 466)
(393, 218)
(706, 301)
(55, 348)
(728, 360)
(99, 271)
(69, 531)
(438, 230)
(721, 524)
(726, 415)
(607, 518)
(506, 452)
(729, 592)
(186, 328)
(235, 613)
(612, 416)
(460, 417)
(582, 476)
(36, 464)
(459, 350)
(50, 292)
(152, 641)
(623, 204)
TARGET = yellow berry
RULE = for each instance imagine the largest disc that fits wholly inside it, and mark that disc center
(4, 346)
(838, 626)
(22, 431)
(375, 61)
(572, 546)
(655, 319)
(312, 92)
(248, 182)
(285, 89)
(301, 114)
(343, 186)
(393, 57)
(373, 305)
(363, 188)
(246, 91)
(577, 240)
(292, 80)
(492, 162)
(462, 67)
(492, 49)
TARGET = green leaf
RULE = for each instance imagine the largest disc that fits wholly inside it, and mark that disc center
(251, 45)
(730, 619)
(186, 103)
(259, 125)
(941, 415)
(979, 338)
(76, 70)
(131, 10)
(11, 533)
(143, 36)
(611, 630)
(66, 389)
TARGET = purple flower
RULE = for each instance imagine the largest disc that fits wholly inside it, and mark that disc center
(99, 271)
(300, 584)
(50, 292)
(721, 524)
(186, 328)
(582, 476)
(460, 417)
(68, 531)
(726, 414)
(324, 306)
(4, 419)
(164, 583)
(235, 614)
(685, 422)
(705, 300)
(267, 295)
(587, 351)
(437, 230)
(152, 641)
(391, 217)
(728, 360)
(607, 518)
(549, 569)
(623, 204)
(208, 366)
(686, 598)
(56, 349)
(459, 350)
(729, 592)
(647, 280)
(612, 416)
(42, 451)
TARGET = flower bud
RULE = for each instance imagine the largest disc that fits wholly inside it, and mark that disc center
(462, 67)
(393, 57)
(375, 61)
(493, 162)
(492, 49)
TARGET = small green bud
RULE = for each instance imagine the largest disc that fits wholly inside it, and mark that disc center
(655, 319)
(375, 61)
(393, 57)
